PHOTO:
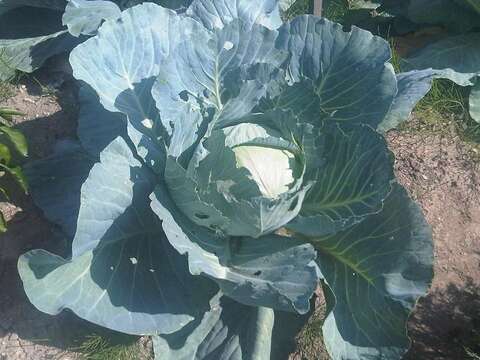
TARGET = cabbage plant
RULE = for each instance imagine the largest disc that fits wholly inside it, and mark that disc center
(228, 164)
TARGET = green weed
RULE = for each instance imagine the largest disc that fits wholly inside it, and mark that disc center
(335, 10)
(444, 98)
(6, 91)
(300, 7)
(395, 60)
(105, 345)
(445, 109)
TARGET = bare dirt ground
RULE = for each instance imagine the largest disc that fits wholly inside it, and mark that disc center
(26, 333)
(438, 170)
(443, 175)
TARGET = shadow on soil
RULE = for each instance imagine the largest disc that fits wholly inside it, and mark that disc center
(449, 326)
(445, 326)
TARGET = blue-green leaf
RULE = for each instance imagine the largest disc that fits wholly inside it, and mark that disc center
(133, 282)
(233, 331)
(351, 182)
(412, 87)
(129, 53)
(98, 212)
(229, 331)
(123, 273)
(183, 190)
(447, 13)
(217, 13)
(84, 17)
(349, 70)
(457, 56)
(272, 271)
(474, 101)
(375, 272)
(29, 36)
(197, 82)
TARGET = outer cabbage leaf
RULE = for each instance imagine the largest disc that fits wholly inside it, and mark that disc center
(98, 212)
(217, 13)
(475, 102)
(271, 271)
(131, 279)
(375, 273)
(412, 87)
(457, 15)
(29, 36)
(233, 331)
(299, 98)
(55, 184)
(84, 17)
(350, 183)
(28, 50)
(349, 70)
(129, 53)
(229, 331)
(457, 56)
